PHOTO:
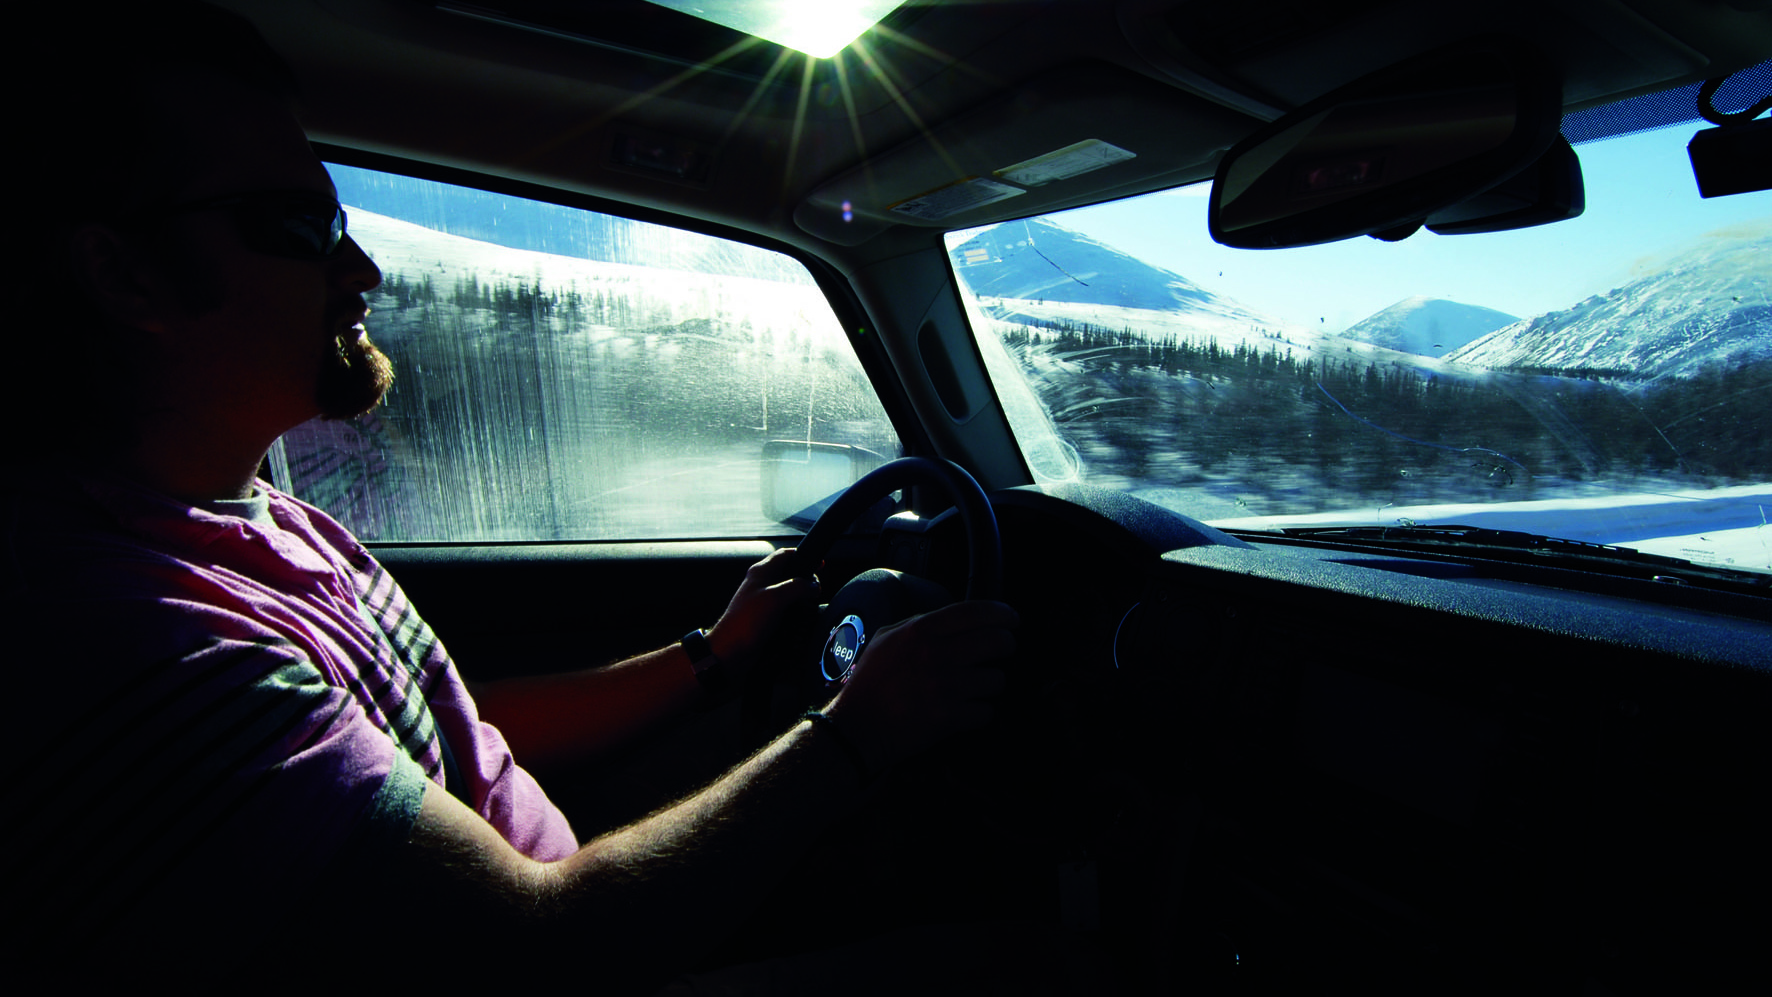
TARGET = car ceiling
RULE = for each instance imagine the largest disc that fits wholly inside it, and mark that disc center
(639, 104)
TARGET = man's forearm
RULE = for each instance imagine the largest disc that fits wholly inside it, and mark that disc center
(647, 901)
(576, 716)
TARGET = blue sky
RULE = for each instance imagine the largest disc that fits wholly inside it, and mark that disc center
(1642, 207)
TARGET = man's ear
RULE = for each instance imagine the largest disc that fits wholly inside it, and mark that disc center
(117, 279)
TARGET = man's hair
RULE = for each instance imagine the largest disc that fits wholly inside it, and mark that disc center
(93, 147)
(90, 69)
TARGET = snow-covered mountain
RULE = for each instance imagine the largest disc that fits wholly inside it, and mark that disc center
(1039, 260)
(1429, 327)
(1711, 304)
(1041, 273)
(494, 219)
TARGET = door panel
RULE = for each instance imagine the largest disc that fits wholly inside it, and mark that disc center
(532, 609)
(511, 610)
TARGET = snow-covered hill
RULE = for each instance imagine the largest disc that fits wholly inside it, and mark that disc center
(1039, 273)
(491, 219)
(1040, 260)
(764, 304)
(1711, 304)
(1429, 327)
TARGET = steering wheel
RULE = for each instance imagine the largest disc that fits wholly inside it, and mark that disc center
(892, 597)
(984, 552)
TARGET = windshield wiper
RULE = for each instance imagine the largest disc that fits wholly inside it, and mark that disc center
(1518, 547)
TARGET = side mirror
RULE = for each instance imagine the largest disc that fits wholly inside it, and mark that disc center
(800, 479)
(1382, 154)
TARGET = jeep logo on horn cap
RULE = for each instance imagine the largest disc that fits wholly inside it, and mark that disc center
(841, 649)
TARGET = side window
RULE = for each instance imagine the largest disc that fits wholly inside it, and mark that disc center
(563, 374)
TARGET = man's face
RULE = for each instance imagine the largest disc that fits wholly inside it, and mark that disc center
(263, 340)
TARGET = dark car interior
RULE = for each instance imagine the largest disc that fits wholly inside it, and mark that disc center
(1242, 763)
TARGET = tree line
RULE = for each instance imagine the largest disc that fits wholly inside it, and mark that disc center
(1313, 430)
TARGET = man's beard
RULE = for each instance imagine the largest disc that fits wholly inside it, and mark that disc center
(353, 378)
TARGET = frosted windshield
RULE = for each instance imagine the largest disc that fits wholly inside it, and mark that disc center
(1602, 379)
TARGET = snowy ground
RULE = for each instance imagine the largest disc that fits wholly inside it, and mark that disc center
(1723, 526)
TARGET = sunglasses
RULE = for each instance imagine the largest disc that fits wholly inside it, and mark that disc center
(296, 224)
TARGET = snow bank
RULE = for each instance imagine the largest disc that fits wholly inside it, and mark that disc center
(1721, 526)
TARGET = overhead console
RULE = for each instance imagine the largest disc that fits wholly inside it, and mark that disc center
(1072, 136)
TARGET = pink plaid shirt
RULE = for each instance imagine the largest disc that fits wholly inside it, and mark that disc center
(226, 704)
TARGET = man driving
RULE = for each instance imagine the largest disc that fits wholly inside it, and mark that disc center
(246, 749)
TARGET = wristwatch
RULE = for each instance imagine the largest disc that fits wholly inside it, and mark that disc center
(710, 671)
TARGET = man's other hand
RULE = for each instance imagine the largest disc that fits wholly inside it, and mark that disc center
(925, 679)
(769, 592)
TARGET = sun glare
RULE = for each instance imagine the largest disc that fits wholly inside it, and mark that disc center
(819, 28)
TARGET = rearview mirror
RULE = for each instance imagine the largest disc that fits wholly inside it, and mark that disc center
(1549, 190)
(1383, 153)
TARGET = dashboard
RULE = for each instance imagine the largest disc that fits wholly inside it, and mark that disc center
(1412, 774)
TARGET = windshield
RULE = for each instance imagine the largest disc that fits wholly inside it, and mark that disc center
(1603, 379)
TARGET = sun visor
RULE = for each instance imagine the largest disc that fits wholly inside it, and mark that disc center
(1073, 136)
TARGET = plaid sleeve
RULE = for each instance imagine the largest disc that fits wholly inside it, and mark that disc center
(219, 780)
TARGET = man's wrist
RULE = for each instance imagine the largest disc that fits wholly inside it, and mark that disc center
(711, 671)
(735, 655)
(721, 645)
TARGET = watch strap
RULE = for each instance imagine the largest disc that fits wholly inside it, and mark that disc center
(708, 668)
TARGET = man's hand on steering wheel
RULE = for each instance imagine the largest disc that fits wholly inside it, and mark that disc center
(926, 679)
(769, 592)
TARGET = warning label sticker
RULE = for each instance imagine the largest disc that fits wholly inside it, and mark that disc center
(961, 195)
(1060, 164)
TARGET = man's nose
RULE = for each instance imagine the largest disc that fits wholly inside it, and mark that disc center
(354, 266)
